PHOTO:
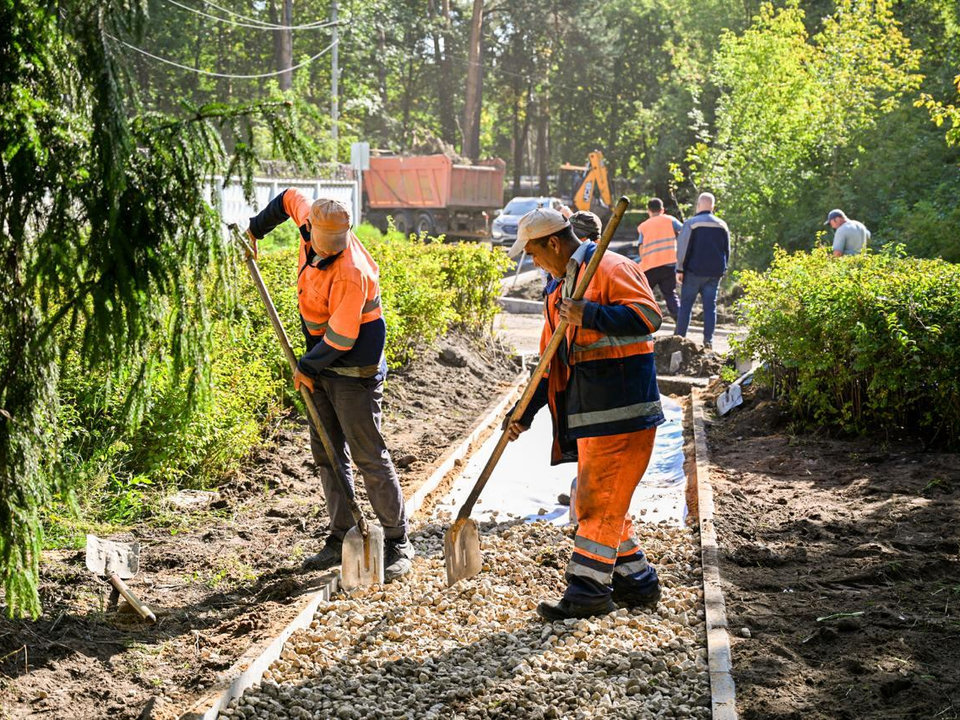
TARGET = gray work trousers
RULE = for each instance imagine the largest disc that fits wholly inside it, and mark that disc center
(350, 411)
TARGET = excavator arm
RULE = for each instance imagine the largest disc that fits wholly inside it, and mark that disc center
(594, 191)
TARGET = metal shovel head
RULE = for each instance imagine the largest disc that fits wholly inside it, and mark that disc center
(106, 556)
(461, 551)
(362, 560)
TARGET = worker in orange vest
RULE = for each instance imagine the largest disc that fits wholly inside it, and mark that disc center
(657, 240)
(338, 293)
(602, 392)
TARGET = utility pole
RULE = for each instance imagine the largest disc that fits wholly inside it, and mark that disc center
(334, 81)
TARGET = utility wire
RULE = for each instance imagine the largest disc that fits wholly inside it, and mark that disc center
(223, 75)
(263, 23)
(258, 26)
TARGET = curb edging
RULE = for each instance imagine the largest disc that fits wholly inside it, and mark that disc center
(719, 659)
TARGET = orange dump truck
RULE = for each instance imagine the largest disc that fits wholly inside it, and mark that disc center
(433, 194)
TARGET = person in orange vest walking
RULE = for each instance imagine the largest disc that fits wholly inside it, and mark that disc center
(657, 241)
(338, 293)
(602, 391)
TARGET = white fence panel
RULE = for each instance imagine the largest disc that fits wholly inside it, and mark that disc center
(236, 209)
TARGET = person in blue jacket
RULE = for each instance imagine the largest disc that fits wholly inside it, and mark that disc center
(703, 249)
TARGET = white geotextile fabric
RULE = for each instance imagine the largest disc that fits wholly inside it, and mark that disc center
(524, 484)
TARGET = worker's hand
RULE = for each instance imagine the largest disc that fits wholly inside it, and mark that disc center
(566, 211)
(572, 310)
(253, 243)
(680, 276)
(516, 430)
(300, 379)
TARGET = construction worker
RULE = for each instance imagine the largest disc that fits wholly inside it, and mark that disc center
(850, 237)
(657, 242)
(586, 225)
(703, 248)
(338, 293)
(601, 388)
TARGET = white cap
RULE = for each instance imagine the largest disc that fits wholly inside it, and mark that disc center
(537, 224)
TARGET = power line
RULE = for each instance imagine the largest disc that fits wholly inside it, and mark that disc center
(224, 75)
(259, 24)
(263, 23)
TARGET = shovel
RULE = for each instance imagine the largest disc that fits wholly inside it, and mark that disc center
(461, 543)
(117, 562)
(362, 562)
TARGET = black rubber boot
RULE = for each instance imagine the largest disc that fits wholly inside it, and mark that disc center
(626, 594)
(565, 609)
(398, 557)
(327, 558)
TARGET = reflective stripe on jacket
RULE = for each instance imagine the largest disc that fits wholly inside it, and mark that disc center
(603, 380)
(658, 242)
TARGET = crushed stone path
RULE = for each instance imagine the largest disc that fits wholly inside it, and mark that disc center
(417, 649)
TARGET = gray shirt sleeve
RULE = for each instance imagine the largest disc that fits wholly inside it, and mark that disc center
(840, 239)
(677, 226)
(683, 240)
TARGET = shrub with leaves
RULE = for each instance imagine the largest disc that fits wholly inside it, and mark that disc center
(869, 342)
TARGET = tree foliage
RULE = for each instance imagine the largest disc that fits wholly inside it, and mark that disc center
(791, 106)
(108, 241)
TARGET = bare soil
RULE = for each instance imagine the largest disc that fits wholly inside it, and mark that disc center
(840, 561)
(223, 578)
(695, 361)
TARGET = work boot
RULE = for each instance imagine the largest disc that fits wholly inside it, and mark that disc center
(627, 594)
(708, 346)
(398, 557)
(564, 609)
(327, 558)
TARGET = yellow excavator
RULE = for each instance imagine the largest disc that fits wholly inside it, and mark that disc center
(587, 187)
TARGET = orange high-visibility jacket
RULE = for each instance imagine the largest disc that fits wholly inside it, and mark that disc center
(338, 297)
(658, 241)
(603, 380)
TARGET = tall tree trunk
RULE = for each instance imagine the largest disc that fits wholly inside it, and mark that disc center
(543, 132)
(442, 59)
(382, 86)
(520, 139)
(471, 107)
(286, 47)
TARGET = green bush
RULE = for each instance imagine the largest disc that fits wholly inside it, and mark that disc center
(863, 343)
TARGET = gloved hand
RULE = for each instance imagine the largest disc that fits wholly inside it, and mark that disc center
(300, 379)
(253, 243)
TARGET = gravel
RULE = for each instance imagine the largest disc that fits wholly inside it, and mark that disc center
(417, 649)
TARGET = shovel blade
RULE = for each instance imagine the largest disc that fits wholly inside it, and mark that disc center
(461, 551)
(107, 556)
(362, 563)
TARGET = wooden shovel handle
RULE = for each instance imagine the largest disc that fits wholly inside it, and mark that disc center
(545, 359)
(121, 587)
(304, 392)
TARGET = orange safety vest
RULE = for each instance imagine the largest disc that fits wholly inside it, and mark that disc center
(659, 246)
(335, 300)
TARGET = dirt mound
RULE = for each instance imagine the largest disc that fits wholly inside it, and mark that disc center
(532, 290)
(694, 360)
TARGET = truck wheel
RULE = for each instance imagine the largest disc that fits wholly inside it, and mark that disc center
(425, 224)
(403, 222)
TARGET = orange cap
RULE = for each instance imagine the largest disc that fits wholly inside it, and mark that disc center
(329, 217)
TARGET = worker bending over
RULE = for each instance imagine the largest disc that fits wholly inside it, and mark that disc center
(338, 293)
(601, 388)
